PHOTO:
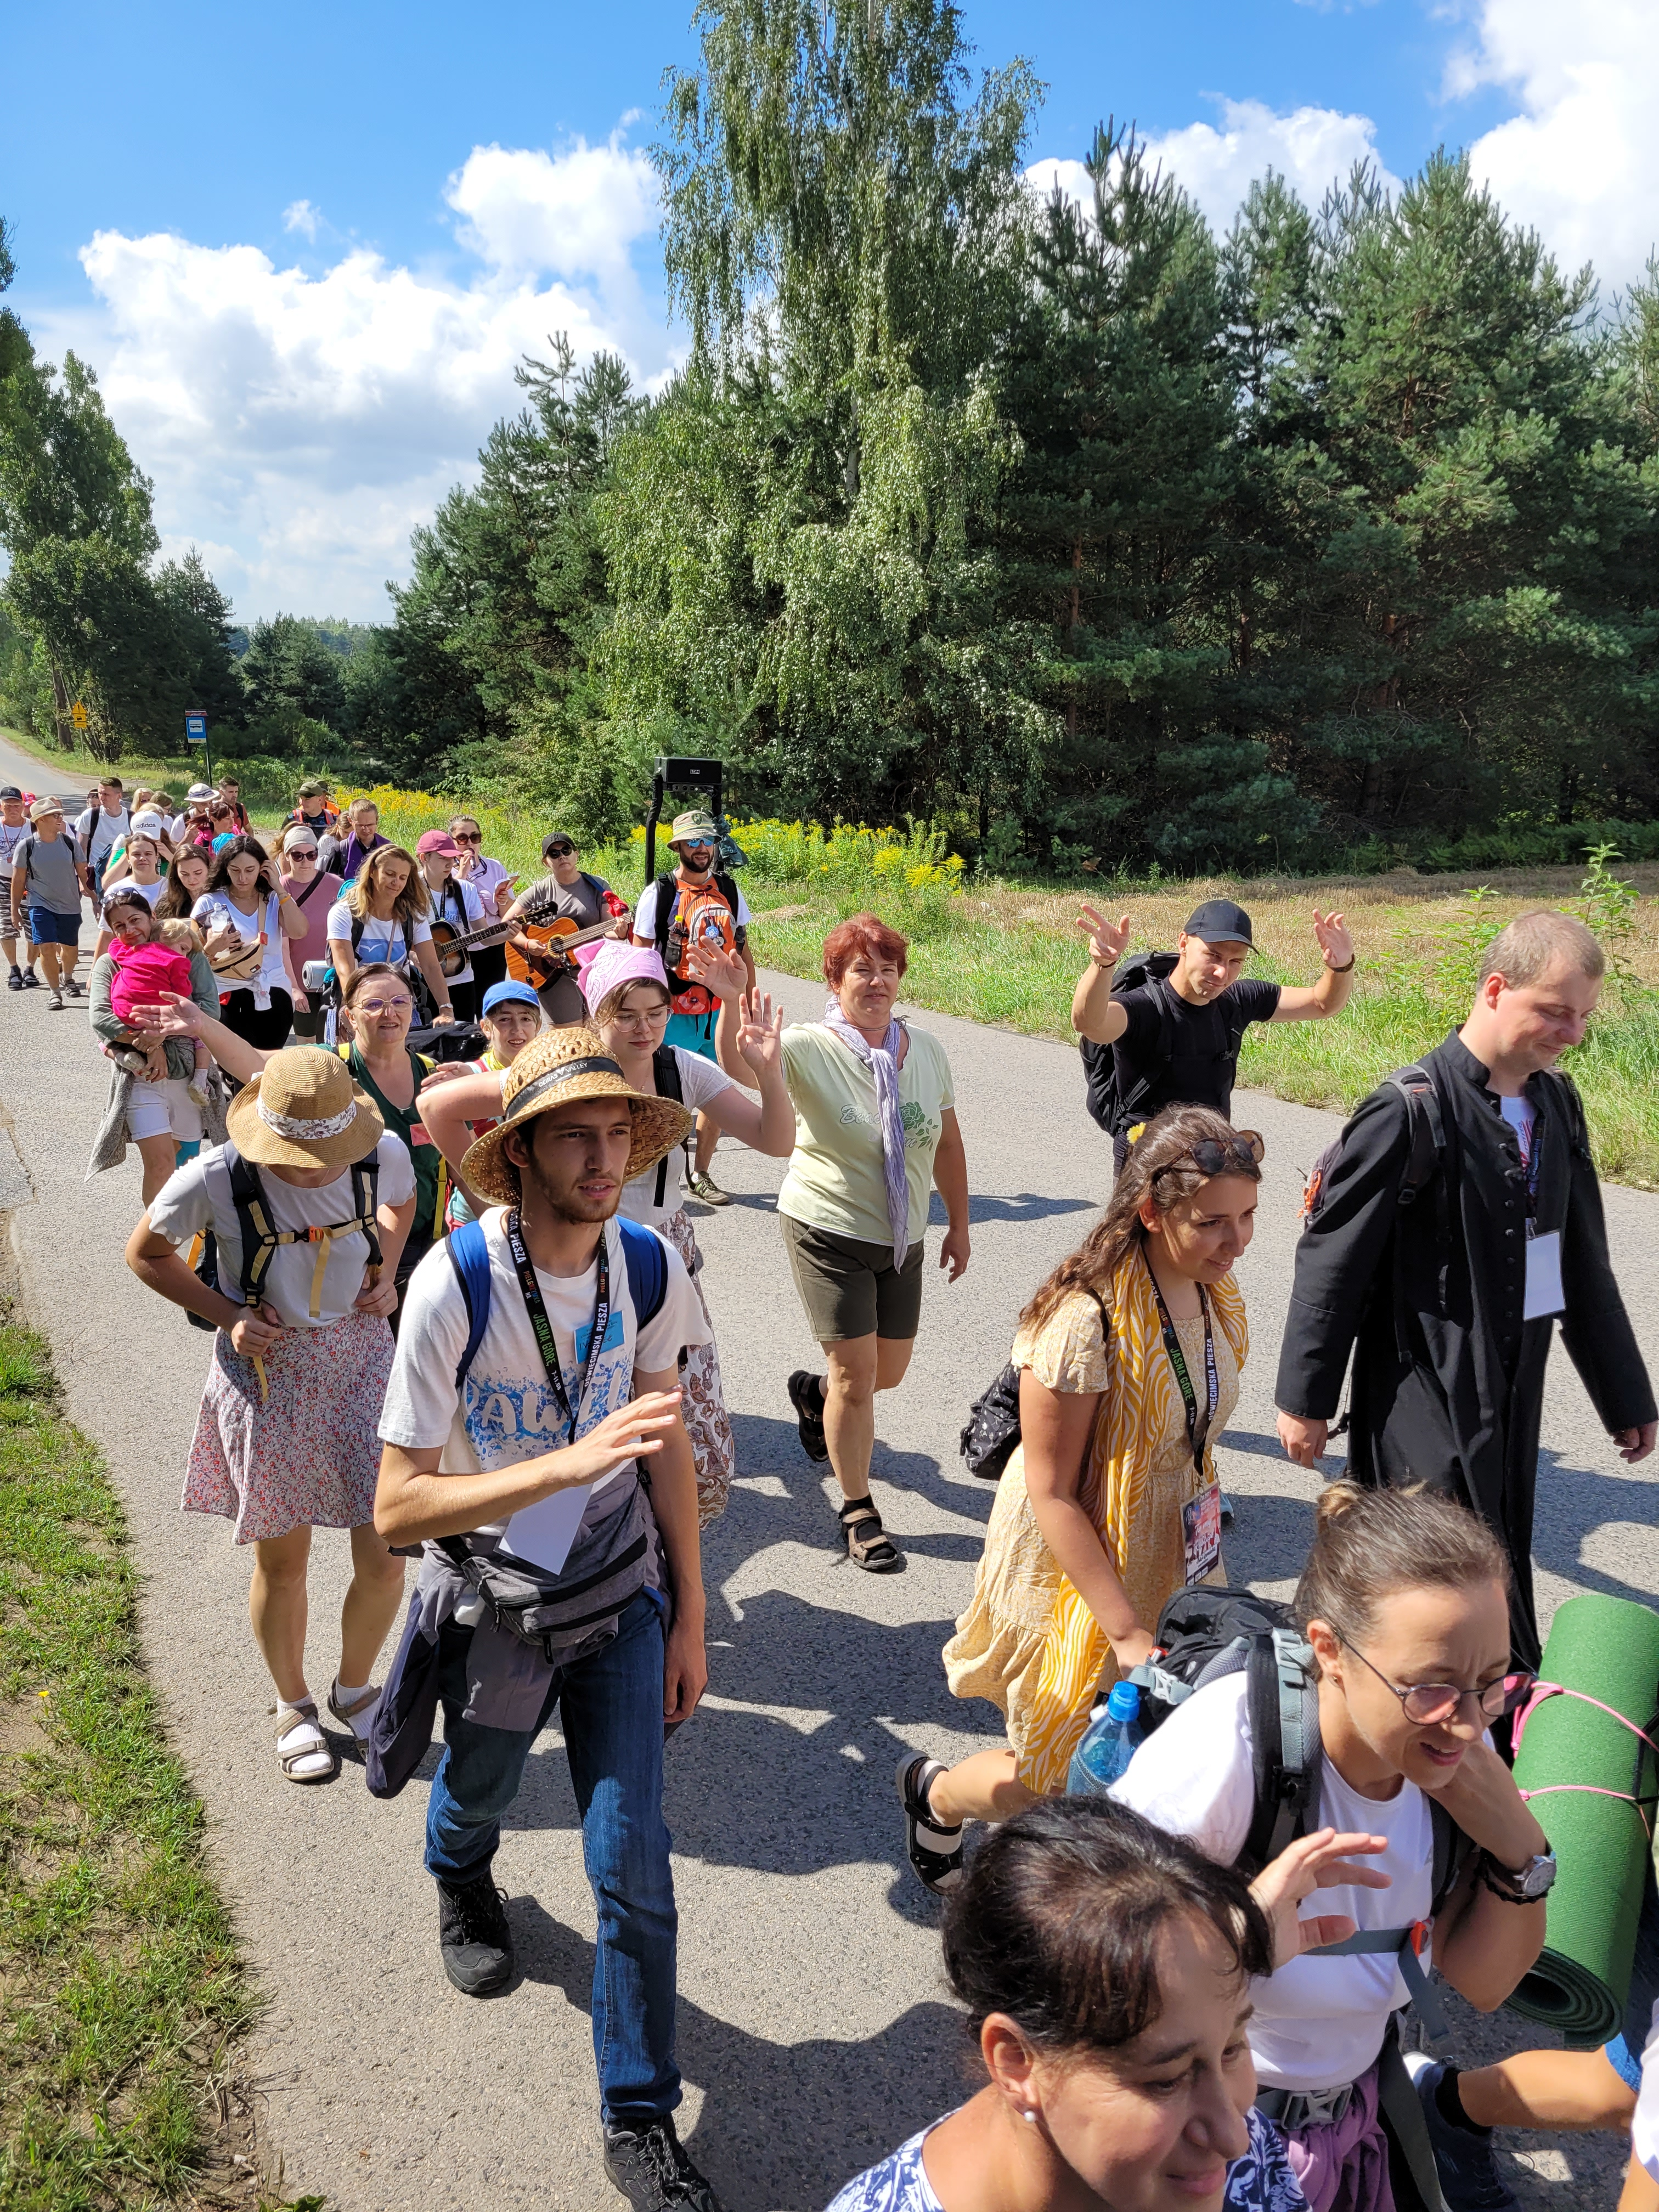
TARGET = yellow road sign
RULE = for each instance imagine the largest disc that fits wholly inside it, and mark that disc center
(78, 715)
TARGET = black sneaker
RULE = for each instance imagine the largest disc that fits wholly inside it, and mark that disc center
(473, 1936)
(649, 2166)
(806, 1396)
(1469, 2179)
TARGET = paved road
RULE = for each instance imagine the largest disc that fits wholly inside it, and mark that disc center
(31, 775)
(815, 2030)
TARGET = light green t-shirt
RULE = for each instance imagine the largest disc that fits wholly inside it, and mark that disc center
(836, 1179)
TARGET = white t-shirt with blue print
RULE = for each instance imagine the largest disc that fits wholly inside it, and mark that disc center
(380, 940)
(1260, 2181)
(508, 1412)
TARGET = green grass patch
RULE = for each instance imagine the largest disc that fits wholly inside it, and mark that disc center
(122, 1993)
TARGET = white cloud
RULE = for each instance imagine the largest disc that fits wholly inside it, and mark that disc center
(1312, 148)
(301, 216)
(302, 425)
(1581, 163)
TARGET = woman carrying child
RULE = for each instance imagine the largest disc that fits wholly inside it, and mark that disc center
(156, 1096)
(245, 901)
(286, 1440)
(1405, 1602)
(1128, 1359)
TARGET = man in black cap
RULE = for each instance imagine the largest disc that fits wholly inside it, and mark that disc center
(1168, 1030)
(14, 828)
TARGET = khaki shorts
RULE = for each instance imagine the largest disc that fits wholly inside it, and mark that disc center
(850, 1288)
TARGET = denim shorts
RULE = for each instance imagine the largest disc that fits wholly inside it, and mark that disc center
(1624, 2053)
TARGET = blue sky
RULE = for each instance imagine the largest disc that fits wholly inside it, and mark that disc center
(304, 245)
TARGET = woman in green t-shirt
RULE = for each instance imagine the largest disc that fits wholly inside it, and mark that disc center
(875, 1133)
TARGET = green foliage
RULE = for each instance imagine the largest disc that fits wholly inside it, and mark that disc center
(122, 1987)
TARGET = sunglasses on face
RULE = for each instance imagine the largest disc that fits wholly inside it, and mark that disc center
(467, 836)
(560, 851)
(302, 852)
(1430, 1703)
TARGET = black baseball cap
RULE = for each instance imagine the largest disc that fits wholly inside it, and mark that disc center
(1218, 921)
(9, 791)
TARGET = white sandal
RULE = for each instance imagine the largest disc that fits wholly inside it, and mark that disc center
(290, 1720)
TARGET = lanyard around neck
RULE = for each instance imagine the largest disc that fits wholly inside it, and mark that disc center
(1198, 1431)
(542, 1329)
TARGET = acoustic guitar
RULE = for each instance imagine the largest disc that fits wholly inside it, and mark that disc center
(452, 945)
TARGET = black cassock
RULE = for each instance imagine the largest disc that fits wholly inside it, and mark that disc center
(1448, 1379)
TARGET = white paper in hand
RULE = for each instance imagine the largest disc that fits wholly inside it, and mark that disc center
(542, 1534)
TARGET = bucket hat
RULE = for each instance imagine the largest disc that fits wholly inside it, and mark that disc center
(558, 1068)
(42, 807)
(303, 1111)
(614, 966)
(695, 828)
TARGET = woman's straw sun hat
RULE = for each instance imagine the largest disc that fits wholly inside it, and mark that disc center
(303, 1111)
(558, 1068)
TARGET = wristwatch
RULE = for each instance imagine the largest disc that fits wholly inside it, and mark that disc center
(1526, 1883)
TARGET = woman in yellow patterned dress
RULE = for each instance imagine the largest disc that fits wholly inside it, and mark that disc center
(1129, 1357)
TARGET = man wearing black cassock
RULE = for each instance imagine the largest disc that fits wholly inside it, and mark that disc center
(1448, 1300)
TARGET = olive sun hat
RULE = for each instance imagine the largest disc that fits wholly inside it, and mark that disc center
(558, 1068)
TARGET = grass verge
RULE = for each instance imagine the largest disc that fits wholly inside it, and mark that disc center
(122, 1994)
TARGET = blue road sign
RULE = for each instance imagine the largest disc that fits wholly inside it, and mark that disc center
(196, 729)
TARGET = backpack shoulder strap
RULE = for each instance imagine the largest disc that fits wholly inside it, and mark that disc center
(358, 924)
(726, 886)
(665, 1073)
(468, 1254)
(667, 899)
(1282, 1699)
(1451, 1850)
(365, 1201)
(1428, 1129)
(647, 1269)
(258, 1234)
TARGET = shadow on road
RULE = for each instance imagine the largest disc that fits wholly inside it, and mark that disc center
(782, 2125)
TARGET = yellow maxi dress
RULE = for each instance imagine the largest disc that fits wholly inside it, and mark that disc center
(1027, 1641)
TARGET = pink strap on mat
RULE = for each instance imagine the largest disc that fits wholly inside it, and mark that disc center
(1541, 1691)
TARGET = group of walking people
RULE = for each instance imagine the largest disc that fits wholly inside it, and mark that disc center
(458, 1310)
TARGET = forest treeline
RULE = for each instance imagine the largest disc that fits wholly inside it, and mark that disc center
(1079, 528)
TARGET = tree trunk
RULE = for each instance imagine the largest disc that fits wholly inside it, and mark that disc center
(60, 708)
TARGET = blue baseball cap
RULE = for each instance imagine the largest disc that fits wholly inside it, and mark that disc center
(500, 994)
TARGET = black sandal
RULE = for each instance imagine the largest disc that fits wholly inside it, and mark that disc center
(866, 1542)
(806, 1396)
(933, 1851)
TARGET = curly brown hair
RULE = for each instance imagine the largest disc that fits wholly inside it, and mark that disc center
(1159, 1166)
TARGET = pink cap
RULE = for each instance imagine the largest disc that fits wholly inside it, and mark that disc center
(611, 962)
(438, 840)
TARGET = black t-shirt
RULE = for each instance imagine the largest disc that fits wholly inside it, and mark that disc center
(1190, 1052)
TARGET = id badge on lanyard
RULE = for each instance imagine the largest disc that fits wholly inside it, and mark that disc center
(1544, 1294)
(1200, 1516)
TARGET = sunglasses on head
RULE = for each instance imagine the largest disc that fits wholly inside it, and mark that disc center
(1211, 1156)
(562, 851)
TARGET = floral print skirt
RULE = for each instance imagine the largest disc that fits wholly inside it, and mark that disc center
(305, 1452)
(702, 1401)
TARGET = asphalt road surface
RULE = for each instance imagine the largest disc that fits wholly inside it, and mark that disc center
(815, 2031)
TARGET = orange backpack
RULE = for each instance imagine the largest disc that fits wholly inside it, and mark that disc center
(706, 917)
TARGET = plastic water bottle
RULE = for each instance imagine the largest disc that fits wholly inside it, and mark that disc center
(1110, 1742)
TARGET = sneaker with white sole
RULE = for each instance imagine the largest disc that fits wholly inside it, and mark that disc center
(705, 1188)
(1464, 2157)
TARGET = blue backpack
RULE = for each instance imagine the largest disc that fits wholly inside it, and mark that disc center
(642, 1250)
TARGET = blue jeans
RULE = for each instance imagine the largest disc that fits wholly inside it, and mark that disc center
(610, 1709)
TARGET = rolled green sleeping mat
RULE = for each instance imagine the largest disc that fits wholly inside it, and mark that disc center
(1605, 1648)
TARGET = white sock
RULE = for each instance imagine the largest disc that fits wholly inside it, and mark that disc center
(313, 1762)
(360, 1722)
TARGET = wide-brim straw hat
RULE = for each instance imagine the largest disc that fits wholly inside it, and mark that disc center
(559, 1068)
(304, 1111)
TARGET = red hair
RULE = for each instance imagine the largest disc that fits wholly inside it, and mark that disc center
(861, 932)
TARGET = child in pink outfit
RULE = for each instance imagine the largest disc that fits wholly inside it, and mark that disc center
(143, 972)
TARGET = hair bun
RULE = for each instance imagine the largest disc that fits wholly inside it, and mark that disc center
(1336, 1500)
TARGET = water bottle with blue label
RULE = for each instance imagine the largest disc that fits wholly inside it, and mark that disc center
(1110, 1742)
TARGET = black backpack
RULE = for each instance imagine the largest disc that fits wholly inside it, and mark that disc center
(665, 1073)
(1111, 1110)
(1208, 1631)
(260, 1237)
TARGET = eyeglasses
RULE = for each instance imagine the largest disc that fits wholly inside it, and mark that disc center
(657, 1013)
(562, 852)
(1243, 1149)
(385, 1006)
(1427, 1703)
(301, 851)
(467, 836)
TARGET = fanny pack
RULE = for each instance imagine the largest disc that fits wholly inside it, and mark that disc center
(557, 1616)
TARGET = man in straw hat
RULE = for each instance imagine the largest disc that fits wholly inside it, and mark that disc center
(307, 1204)
(573, 1586)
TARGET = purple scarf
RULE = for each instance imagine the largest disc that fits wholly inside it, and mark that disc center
(882, 1061)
